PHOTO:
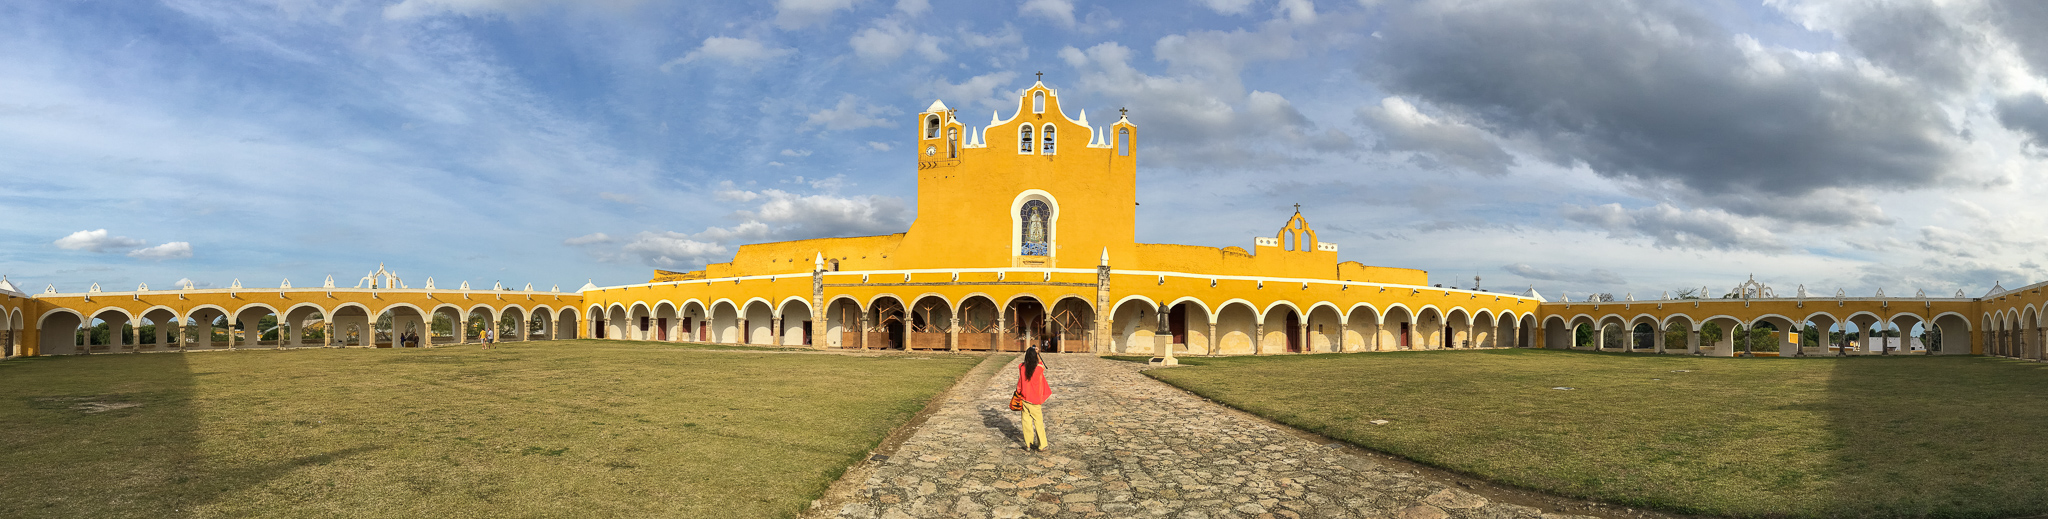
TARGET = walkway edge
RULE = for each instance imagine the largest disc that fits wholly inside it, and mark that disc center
(844, 489)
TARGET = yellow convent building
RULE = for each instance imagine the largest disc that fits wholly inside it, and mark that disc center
(1029, 241)
(1025, 234)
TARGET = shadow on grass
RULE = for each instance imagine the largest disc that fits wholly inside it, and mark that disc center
(1938, 437)
(115, 436)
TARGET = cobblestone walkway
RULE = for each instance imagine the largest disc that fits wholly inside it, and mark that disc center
(1124, 445)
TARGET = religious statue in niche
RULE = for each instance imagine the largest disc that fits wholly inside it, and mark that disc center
(1034, 216)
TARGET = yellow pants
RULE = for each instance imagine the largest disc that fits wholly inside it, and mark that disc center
(1033, 424)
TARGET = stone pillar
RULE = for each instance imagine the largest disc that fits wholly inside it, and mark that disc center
(818, 317)
(1102, 309)
(1259, 336)
(1214, 341)
(1301, 335)
(775, 324)
(1343, 337)
(1692, 339)
(162, 335)
(204, 338)
(1002, 329)
(863, 330)
(1863, 346)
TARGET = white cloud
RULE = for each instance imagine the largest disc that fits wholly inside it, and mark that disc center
(778, 215)
(97, 241)
(1298, 11)
(1228, 6)
(737, 51)
(796, 14)
(796, 153)
(617, 197)
(1404, 128)
(589, 239)
(849, 115)
(888, 40)
(1591, 277)
(880, 146)
(673, 250)
(1058, 11)
(979, 90)
(419, 8)
(172, 250)
(913, 7)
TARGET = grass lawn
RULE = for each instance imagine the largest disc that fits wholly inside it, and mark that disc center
(564, 428)
(1855, 437)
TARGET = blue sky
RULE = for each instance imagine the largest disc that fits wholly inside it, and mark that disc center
(1582, 146)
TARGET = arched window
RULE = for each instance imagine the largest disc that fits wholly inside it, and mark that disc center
(1123, 141)
(1038, 102)
(1036, 235)
(953, 143)
(1047, 138)
(931, 127)
(1024, 144)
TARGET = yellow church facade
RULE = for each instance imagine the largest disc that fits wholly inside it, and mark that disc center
(1026, 235)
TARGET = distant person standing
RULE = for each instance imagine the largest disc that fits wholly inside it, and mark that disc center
(1031, 385)
(487, 337)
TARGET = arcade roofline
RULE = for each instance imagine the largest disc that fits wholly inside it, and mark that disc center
(865, 274)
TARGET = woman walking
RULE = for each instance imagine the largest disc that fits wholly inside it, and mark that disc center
(1033, 390)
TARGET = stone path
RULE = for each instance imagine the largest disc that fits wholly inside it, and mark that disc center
(1124, 445)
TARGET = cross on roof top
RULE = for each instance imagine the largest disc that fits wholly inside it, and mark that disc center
(1124, 111)
(1041, 77)
(1297, 208)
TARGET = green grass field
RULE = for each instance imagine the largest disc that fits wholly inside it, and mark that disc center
(568, 428)
(1855, 437)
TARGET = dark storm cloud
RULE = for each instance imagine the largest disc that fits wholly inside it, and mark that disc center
(1914, 39)
(1654, 91)
(2027, 114)
(2025, 22)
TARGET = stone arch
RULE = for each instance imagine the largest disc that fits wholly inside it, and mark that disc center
(668, 322)
(59, 331)
(1484, 329)
(1324, 326)
(565, 323)
(1133, 326)
(725, 322)
(795, 316)
(888, 322)
(1956, 336)
(1557, 332)
(1247, 304)
(843, 315)
(1236, 327)
(1362, 328)
(930, 323)
(1189, 323)
(1429, 325)
(1457, 329)
(1280, 328)
(1397, 329)
(616, 322)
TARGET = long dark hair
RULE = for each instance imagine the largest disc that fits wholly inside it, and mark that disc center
(1031, 362)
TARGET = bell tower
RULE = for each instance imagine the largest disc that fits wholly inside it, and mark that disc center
(1037, 189)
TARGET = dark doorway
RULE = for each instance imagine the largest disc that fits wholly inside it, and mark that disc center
(807, 333)
(688, 326)
(1293, 332)
(661, 330)
(597, 328)
(1404, 337)
(895, 327)
(1177, 322)
(704, 331)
